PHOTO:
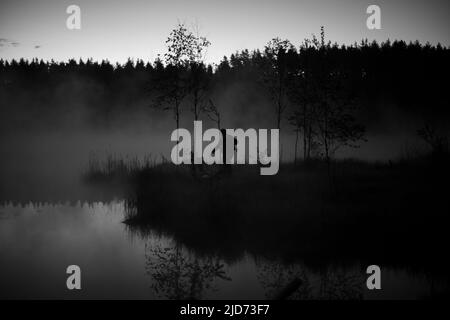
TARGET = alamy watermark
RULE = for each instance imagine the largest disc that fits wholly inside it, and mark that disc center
(73, 21)
(227, 146)
(374, 20)
(74, 279)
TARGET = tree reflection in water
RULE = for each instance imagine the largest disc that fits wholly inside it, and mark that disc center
(178, 275)
(275, 277)
(296, 282)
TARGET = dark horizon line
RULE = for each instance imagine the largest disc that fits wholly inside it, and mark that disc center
(363, 43)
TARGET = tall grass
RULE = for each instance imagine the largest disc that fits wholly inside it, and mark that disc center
(379, 211)
(116, 167)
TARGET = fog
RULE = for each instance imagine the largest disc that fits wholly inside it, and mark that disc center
(46, 162)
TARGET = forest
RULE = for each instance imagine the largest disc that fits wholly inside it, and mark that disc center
(326, 94)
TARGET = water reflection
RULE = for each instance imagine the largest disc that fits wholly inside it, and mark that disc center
(38, 241)
(284, 282)
(178, 275)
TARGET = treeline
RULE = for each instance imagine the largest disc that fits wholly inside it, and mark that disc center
(314, 87)
(412, 75)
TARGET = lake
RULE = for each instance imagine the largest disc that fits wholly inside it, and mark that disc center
(39, 240)
(49, 220)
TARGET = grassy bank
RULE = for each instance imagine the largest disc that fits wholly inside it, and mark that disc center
(388, 213)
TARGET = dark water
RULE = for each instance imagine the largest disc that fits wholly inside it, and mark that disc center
(39, 241)
(41, 234)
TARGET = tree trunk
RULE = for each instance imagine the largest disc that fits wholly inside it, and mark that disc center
(296, 143)
(309, 141)
(196, 105)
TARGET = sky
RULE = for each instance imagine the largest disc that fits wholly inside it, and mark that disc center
(117, 30)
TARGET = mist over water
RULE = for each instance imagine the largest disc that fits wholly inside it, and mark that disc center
(45, 157)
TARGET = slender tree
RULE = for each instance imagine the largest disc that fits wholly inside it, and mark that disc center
(275, 75)
(172, 83)
(199, 73)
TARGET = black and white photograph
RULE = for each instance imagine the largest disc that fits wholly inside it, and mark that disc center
(249, 151)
